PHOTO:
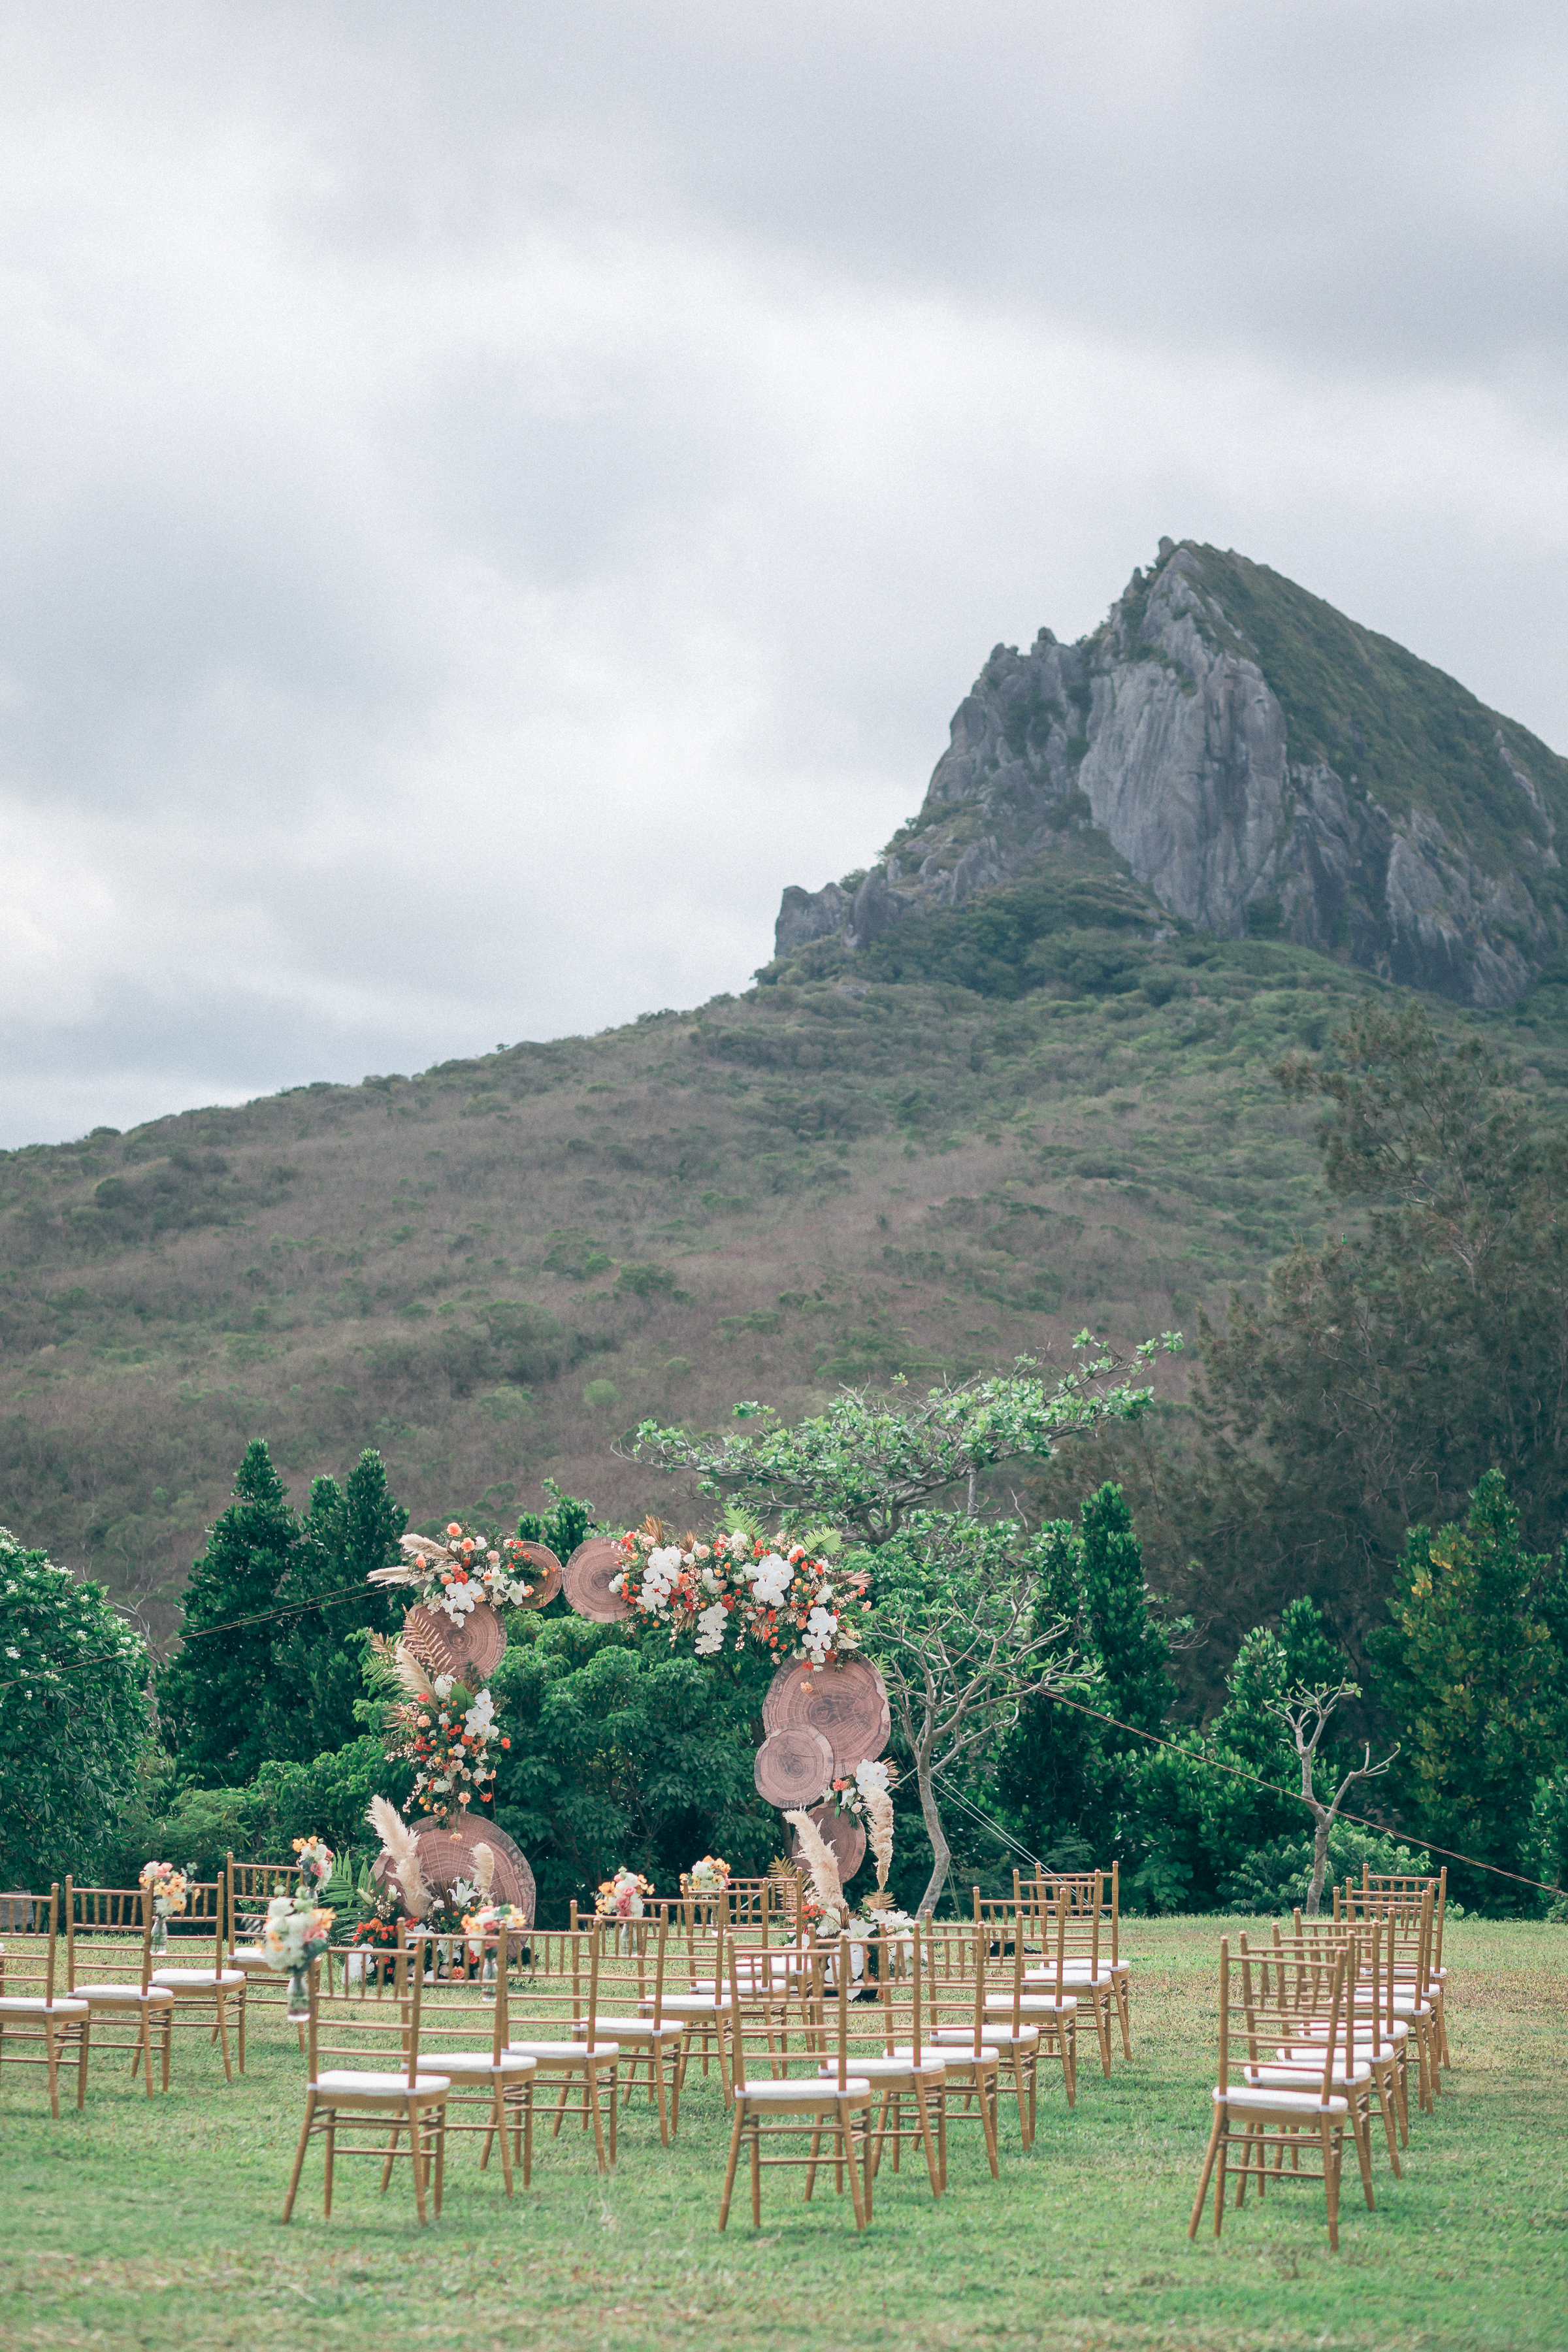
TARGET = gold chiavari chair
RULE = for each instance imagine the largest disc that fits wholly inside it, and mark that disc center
(392, 2097)
(970, 2048)
(109, 1964)
(40, 2024)
(1412, 2000)
(828, 2102)
(1087, 1971)
(557, 2023)
(1289, 2117)
(465, 2026)
(1405, 1894)
(248, 1888)
(1040, 1994)
(632, 1956)
(697, 1993)
(200, 1990)
(1306, 1963)
(889, 2044)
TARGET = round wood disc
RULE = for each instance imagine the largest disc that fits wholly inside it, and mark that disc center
(794, 1766)
(546, 1576)
(446, 1854)
(848, 1704)
(843, 1833)
(586, 1581)
(470, 1648)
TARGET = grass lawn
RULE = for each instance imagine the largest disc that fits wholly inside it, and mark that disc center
(156, 2222)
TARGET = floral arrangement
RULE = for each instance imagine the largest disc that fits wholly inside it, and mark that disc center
(436, 1724)
(455, 1571)
(296, 1933)
(867, 1793)
(711, 1876)
(621, 1897)
(379, 1935)
(315, 1858)
(737, 1589)
(166, 1885)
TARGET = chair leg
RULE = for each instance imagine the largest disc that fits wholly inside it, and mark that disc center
(1219, 2173)
(223, 2032)
(416, 2158)
(756, 2137)
(592, 2078)
(923, 2111)
(497, 2123)
(1124, 2013)
(1204, 2182)
(83, 2034)
(1334, 2152)
(857, 2190)
(300, 2155)
(1360, 2126)
(331, 2151)
(730, 2168)
(985, 2085)
(52, 2057)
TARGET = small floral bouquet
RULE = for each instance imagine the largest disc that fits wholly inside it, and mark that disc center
(867, 1793)
(455, 1571)
(314, 1858)
(621, 1897)
(296, 1933)
(738, 1588)
(484, 1926)
(711, 1876)
(166, 1885)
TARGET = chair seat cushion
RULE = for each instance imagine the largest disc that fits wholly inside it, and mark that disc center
(249, 1955)
(563, 2054)
(479, 2061)
(20, 2004)
(1082, 1978)
(1286, 2077)
(346, 2081)
(1032, 2004)
(695, 2004)
(994, 2037)
(883, 2069)
(198, 1980)
(641, 2029)
(816, 2095)
(1304, 2104)
(108, 1996)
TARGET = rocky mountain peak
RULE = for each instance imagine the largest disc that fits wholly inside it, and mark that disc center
(1262, 764)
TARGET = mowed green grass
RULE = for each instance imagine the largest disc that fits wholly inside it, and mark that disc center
(156, 2222)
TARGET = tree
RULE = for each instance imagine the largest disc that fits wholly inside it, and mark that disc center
(958, 1633)
(1389, 1369)
(282, 1685)
(314, 1674)
(1308, 1713)
(74, 1719)
(868, 1461)
(1472, 1671)
(215, 1697)
(1062, 1774)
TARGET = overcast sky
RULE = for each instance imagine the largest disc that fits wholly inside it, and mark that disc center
(492, 493)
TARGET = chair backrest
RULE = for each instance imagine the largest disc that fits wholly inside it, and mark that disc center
(30, 1970)
(894, 1966)
(826, 2009)
(565, 2006)
(22, 1914)
(955, 1963)
(1408, 1929)
(631, 1967)
(367, 2035)
(1258, 2012)
(465, 1976)
(248, 1888)
(204, 1915)
(108, 1936)
(1308, 1957)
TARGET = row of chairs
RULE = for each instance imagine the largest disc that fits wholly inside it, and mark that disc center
(87, 1962)
(1317, 2026)
(859, 2049)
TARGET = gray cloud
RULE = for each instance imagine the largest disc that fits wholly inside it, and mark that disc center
(492, 494)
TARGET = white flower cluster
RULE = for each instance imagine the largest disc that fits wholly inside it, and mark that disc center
(872, 1774)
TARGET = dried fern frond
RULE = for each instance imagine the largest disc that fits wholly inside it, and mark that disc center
(826, 1883)
(423, 1648)
(484, 1871)
(402, 1848)
(880, 1829)
(393, 1576)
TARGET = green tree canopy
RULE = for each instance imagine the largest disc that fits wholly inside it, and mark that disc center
(74, 1719)
(1472, 1674)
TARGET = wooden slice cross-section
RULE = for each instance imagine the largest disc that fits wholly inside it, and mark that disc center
(793, 1766)
(544, 1575)
(843, 1833)
(848, 1704)
(469, 1648)
(586, 1581)
(447, 1854)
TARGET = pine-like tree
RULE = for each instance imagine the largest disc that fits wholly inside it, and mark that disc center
(315, 1673)
(216, 1696)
